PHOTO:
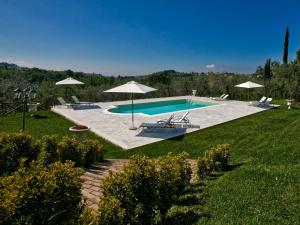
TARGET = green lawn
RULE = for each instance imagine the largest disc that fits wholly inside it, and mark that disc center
(263, 188)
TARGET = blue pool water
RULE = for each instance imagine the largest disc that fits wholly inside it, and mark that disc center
(153, 108)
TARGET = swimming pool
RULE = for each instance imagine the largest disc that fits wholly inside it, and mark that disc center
(153, 108)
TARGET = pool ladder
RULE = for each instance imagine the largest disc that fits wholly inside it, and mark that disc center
(191, 98)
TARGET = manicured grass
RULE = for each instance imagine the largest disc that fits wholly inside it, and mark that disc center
(264, 186)
(46, 123)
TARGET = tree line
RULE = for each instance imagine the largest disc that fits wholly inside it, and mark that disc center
(281, 81)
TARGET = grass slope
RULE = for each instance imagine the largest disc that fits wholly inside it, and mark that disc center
(264, 189)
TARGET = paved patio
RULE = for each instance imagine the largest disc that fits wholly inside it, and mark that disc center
(114, 127)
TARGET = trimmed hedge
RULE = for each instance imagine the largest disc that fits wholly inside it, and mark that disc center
(49, 153)
(215, 159)
(144, 191)
(70, 149)
(41, 195)
(13, 147)
(48, 150)
(173, 175)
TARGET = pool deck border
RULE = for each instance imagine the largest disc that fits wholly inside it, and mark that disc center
(114, 126)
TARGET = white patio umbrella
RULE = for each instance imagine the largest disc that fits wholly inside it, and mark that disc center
(249, 85)
(67, 82)
(132, 87)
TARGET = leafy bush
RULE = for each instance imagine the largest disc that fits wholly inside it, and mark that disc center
(222, 156)
(71, 149)
(92, 151)
(135, 188)
(173, 175)
(111, 212)
(49, 152)
(13, 147)
(87, 217)
(82, 153)
(41, 195)
(204, 167)
(214, 159)
(144, 190)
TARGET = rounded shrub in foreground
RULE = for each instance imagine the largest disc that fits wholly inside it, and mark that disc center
(173, 175)
(92, 151)
(49, 150)
(71, 149)
(13, 147)
(135, 188)
(110, 212)
(41, 195)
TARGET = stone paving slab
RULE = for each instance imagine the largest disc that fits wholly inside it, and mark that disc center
(114, 127)
(93, 177)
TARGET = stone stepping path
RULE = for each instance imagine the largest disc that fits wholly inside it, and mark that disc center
(93, 177)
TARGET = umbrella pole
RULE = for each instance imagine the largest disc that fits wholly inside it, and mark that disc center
(132, 115)
(248, 94)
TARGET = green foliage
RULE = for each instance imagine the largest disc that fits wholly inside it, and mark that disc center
(82, 153)
(48, 150)
(41, 195)
(49, 153)
(111, 212)
(13, 147)
(286, 46)
(204, 167)
(144, 191)
(214, 159)
(168, 83)
(87, 217)
(173, 175)
(135, 188)
(70, 149)
(298, 56)
(92, 152)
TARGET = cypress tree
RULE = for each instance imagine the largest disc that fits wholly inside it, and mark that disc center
(286, 46)
(298, 56)
(267, 74)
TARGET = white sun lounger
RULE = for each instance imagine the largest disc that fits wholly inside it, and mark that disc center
(217, 98)
(76, 100)
(179, 120)
(225, 97)
(159, 124)
(267, 103)
(260, 102)
(63, 102)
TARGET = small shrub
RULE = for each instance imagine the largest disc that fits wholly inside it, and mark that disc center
(204, 167)
(173, 175)
(135, 188)
(146, 189)
(13, 147)
(49, 152)
(92, 152)
(41, 195)
(222, 156)
(87, 217)
(110, 212)
(71, 149)
(215, 159)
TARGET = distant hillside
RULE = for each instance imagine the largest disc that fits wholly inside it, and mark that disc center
(6, 65)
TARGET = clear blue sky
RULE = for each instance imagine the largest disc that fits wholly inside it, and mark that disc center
(137, 37)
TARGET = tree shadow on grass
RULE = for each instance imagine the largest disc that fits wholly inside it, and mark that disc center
(36, 116)
(188, 216)
(188, 208)
(233, 166)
